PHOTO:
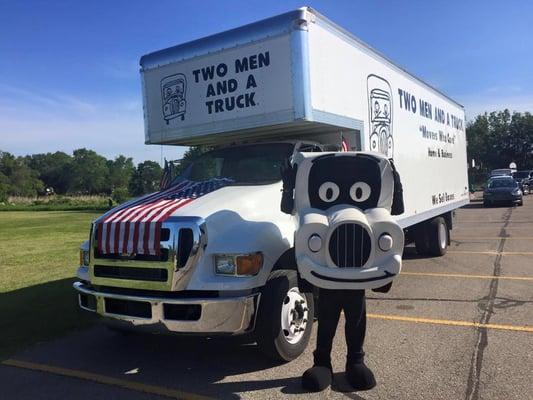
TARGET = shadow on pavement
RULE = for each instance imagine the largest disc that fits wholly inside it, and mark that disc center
(187, 363)
(471, 205)
(409, 253)
(38, 313)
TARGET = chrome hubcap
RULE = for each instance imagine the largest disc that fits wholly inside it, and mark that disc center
(442, 236)
(294, 314)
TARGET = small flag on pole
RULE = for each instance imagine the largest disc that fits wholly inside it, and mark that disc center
(344, 144)
(166, 178)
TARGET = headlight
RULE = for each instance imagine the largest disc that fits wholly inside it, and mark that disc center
(84, 257)
(517, 192)
(238, 264)
(314, 243)
(385, 242)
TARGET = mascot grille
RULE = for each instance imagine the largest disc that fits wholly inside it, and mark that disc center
(349, 246)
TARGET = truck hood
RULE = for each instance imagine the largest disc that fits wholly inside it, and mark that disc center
(243, 219)
(250, 202)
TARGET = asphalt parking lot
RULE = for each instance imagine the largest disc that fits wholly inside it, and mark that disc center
(455, 327)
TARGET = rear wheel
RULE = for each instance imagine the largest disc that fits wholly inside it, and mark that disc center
(285, 318)
(431, 237)
(421, 239)
(438, 236)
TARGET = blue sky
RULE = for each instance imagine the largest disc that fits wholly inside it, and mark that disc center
(69, 69)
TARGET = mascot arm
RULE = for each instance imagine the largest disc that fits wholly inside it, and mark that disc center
(288, 176)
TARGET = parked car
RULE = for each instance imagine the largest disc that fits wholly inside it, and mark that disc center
(525, 180)
(501, 172)
(502, 189)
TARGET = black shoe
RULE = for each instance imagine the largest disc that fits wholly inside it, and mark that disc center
(317, 378)
(360, 377)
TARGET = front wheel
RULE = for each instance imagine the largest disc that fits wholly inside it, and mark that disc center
(285, 318)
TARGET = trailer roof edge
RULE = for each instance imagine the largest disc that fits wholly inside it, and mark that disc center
(258, 30)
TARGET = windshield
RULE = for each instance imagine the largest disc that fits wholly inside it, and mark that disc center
(253, 164)
(502, 183)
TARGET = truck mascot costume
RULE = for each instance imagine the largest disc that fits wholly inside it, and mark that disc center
(346, 241)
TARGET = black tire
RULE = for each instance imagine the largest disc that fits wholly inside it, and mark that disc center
(421, 240)
(438, 235)
(268, 331)
(486, 203)
(521, 203)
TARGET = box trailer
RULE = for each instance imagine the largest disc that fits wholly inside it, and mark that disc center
(220, 260)
(298, 75)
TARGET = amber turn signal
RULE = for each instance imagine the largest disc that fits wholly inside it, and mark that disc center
(249, 264)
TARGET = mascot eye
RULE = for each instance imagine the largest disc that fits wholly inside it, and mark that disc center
(360, 191)
(328, 192)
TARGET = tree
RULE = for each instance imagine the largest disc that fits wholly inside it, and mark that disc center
(55, 170)
(145, 178)
(90, 172)
(120, 172)
(499, 138)
(4, 187)
(190, 155)
(17, 178)
(477, 139)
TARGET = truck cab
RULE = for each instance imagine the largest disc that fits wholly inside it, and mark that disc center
(226, 263)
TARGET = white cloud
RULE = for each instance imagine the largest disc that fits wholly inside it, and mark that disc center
(16, 96)
(33, 122)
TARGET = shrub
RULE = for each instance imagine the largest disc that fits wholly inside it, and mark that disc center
(120, 195)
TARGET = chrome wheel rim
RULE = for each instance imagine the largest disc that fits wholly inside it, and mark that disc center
(294, 315)
(442, 236)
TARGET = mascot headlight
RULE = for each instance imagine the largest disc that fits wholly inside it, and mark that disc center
(315, 243)
(385, 242)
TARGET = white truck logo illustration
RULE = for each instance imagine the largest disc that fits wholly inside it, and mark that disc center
(380, 118)
(173, 91)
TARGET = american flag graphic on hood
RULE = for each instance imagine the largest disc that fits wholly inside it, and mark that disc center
(136, 228)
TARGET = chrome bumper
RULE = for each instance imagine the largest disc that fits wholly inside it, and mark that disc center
(223, 315)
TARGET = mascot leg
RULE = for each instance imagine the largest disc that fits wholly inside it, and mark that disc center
(358, 374)
(319, 377)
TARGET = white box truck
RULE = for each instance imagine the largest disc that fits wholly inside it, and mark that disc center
(221, 261)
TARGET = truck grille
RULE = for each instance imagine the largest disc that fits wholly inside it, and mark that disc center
(163, 256)
(349, 246)
(185, 245)
(182, 240)
(134, 273)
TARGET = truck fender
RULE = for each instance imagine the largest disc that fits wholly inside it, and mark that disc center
(286, 261)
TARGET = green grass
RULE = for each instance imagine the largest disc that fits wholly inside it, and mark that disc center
(39, 254)
(54, 207)
(57, 203)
